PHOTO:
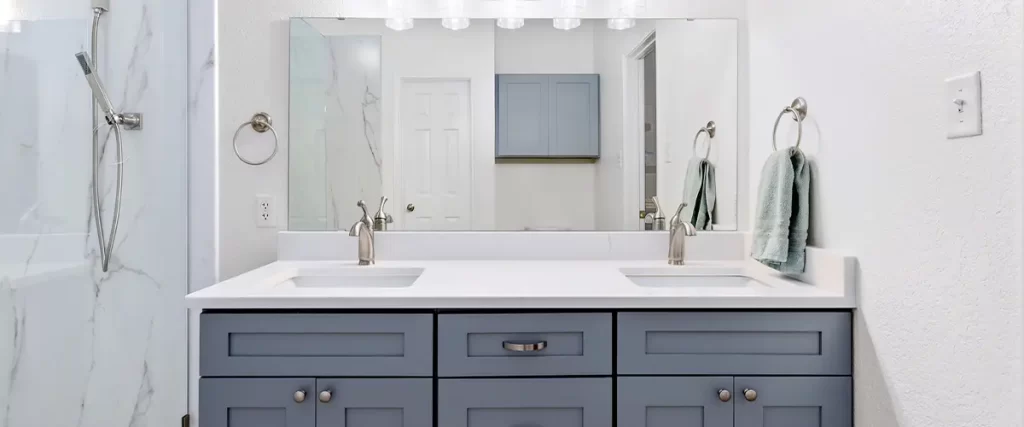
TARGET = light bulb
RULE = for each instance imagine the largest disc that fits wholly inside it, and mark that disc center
(621, 23)
(453, 15)
(455, 24)
(396, 16)
(511, 23)
(399, 24)
(566, 23)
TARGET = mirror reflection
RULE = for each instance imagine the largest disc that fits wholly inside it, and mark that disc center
(529, 129)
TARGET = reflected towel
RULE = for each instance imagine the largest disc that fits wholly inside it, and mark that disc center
(783, 212)
(700, 193)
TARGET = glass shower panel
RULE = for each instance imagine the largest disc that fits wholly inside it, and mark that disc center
(80, 347)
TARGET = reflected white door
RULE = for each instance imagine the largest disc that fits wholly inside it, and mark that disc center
(434, 147)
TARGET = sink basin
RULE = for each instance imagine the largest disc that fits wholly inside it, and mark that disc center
(681, 277)
(356, 277)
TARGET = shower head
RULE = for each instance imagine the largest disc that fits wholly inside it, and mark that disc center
(98, 92)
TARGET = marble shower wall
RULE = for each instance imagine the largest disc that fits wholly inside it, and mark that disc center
(80, 347)
(336, 156)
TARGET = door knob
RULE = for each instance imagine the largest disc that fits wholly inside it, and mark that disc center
(325, 396)
(410, 207)
(724, 395)
(299, 396)
(750, 394)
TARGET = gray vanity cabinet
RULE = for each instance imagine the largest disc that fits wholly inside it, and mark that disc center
(675, 401)
(378, 402)
(794, 402)
(321, 402)
(519, 402)
(548, 116)
(257, 402)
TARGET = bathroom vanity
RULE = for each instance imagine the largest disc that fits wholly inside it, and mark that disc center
(540, 343)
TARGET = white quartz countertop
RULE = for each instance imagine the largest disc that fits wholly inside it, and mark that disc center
(523, 285)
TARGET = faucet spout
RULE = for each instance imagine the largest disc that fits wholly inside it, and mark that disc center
(679, 230)
(363, 229)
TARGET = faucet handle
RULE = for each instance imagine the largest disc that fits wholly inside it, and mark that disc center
(362, 205)
(679, 212)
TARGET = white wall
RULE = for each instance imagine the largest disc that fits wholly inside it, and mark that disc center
(530, 194)
(935, 223)
(252, 52)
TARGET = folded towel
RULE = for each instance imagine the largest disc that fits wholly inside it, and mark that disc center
(699, 193)
(783, 212)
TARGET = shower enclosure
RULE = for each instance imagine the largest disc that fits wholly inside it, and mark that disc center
(80, 344)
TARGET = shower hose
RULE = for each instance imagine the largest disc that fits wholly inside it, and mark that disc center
(106, 242)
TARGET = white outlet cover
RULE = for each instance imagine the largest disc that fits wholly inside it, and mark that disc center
(264, 213)
(963, 119)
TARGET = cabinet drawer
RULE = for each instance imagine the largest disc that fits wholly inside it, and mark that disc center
(536, 344)
(735, 343)
(322, 344)
(534, 402)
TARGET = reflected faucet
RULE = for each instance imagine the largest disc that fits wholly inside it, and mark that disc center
(363, 229)
(679, 230)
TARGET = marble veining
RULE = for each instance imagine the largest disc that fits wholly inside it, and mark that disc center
(80, 347)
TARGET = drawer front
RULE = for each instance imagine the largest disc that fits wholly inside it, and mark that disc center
(536, 344)
(534, 402)
(352, 345)
(735, 343)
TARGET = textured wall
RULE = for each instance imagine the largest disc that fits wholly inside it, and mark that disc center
(936, 223)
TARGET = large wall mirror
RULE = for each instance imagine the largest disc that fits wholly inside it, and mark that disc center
(530, 129)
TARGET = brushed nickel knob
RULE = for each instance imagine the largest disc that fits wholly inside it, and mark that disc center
(410, 207)
(750, 394)
(724, 395)
(325, 396)
(299, 396)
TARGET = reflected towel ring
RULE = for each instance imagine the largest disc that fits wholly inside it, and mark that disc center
(710, 129)
(260, 122)
(799, 110)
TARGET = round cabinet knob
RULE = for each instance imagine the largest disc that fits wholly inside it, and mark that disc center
(724, 395)
(299, 396)
(325, 396)
(750, 394)
(410, 207)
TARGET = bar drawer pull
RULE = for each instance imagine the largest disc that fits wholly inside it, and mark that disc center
(524, 347)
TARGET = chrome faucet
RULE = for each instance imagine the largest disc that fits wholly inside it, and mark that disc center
(381, 219)
(363, 229)
(679, 230)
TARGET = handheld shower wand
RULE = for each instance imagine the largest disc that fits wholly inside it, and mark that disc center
(98, 92)
(117, 121)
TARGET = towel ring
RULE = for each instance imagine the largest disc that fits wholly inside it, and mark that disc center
(710, 129)
(260, 122)
(799, 110)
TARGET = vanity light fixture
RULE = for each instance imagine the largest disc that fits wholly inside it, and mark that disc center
(570, 12)
(510, 17)
(397, 20)
(626, 16)
(453, 15)
(7, 22)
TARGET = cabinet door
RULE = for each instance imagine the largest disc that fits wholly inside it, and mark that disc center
(257, 402)
(539, 402)
(380, 402)
(675, 401)
(575, 115)
(522, 120)
(794, 402)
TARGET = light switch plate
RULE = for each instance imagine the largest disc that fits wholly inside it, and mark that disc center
(963, 98)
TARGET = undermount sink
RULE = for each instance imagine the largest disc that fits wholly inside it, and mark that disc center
(357, 277)
(698, 276)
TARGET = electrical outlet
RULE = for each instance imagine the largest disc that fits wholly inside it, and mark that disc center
(265, 217)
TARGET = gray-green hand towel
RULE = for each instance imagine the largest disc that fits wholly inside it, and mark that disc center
(783, 212)
(699, 193)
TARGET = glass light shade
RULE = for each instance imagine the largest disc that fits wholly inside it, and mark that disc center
(566, 23)
(621, 23)
(511, 23)
(399, 24)
(455, 24)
